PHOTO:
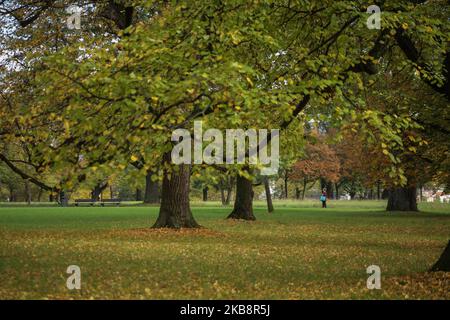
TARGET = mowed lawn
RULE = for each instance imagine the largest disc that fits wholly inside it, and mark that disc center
(299, 252)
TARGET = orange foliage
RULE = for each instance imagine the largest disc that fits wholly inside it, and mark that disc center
(320, 161)
(360, 160)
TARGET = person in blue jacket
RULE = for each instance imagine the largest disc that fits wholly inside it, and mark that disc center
(323, 198)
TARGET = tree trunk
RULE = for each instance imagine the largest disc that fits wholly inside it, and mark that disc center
(28, 192)
(175, 211)
(151, 189)
(328, 186)
(138, 195)
(286, 184)
(323, 184)
(12, 195)
(352, 191)
(97, 191)
(39, 197)
(330, 192)
(228, 198)
(378, 189)
(205, 194)
(222, 195)
(226, 185)
(336, 186)
(402, 199)
(268, 195)
(297, 193)
(305, 183)
(63, 198)
(443, 263)
(243, 203)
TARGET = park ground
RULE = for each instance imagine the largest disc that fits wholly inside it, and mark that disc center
(299, 252)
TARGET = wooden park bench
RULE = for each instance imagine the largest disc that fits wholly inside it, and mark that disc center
(110, 201)
(86, 201)
(93, 202)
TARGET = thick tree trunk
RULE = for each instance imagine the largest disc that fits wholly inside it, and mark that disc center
(443, 263)
(243, 203)
(402, 199)
(64, 198)
(175, 211)
(205, 194)
(151, 189)
(268, 195)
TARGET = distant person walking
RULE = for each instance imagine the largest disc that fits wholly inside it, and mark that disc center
(323, 198)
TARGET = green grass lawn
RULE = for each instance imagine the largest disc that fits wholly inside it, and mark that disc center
(299, 252)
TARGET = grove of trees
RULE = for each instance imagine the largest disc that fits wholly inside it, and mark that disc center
(358, 108)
